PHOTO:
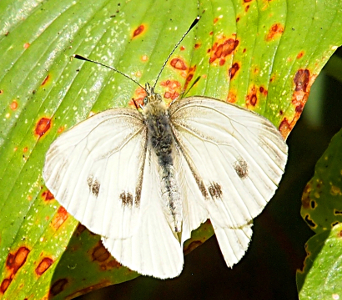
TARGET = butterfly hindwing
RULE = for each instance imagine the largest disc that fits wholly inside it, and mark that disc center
(93, 171)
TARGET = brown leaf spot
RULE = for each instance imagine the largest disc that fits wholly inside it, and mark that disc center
(275, 31)
(172, 89)
(14, 105)
(42, 126)
(47, 195)
(197, 45)
(181, 48)
(138, 31)
(232, 71)
(252, 98)
(138, 98)
(5, 284)
(59, 218)
(89, 289)
(46, 80)
(263, 91)
(80, 228)
(221, 50)
(178, 64)
(300, 54)
(1, 92)
(16, 260)
(26, 45)
(306, 196)
(211, 33)
(100, 253)
(43, 266)
(189, 77)
(246, 8)
(216, 20)
(301, 80)
(339, 234)
(237, 19)
(285, 127)
(58, 287)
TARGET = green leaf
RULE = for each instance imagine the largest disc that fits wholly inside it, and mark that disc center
(322, 211)
(321, 276)
(262, 55)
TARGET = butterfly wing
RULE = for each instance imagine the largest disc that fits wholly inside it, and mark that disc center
(93, 171)
(154, 249)
(237, 159)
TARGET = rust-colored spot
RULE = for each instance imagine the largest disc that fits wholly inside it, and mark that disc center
(193, 245)
(14, 105)
(178, 64)
(220, 50)
(1, 92)
(25, 149)
(281, 112)
(46, 80)
(301, 80)
(16, 260)
(231, 97)
(138, 31)
(285, 127)
(246, 8)
(42, 126)
(252, 98)
(300, 54)
(100, 253)
(237, 19)
(244, 50)
(47, 195)
(58, 287)
(26, 45)
(5, 284)
(215, 20)
(181, 48)
(60, 129)
(172, 89)
(306, 196)
(263, 91)
(197, 45)
(144, 58)
(275, 31)
(59, 218)
(247, 1)
(43, 266)
(232, 71)
(339, 234)
(7, 33)
(211, 33)
(138, 98)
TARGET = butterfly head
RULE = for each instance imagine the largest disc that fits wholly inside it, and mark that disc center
(153, 102)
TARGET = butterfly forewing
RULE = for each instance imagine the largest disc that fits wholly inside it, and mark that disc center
(93, 171)
(238, 155)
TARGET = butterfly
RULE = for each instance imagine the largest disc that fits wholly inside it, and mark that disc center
(144, 179)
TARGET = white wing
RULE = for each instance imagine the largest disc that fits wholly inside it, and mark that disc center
(154, 249)
(93, 171)
(237, 159)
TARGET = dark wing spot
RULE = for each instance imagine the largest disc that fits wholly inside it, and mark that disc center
(137, 196)
(126, 199)
(94, 185)
(215, 190)
(241, 168)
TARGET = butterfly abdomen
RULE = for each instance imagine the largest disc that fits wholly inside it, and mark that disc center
(161, 139)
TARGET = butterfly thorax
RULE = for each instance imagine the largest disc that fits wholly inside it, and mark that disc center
(161, 140)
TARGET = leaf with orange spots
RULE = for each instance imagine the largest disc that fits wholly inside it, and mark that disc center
(263, 55)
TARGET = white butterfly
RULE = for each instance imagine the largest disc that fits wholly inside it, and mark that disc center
(144, 181)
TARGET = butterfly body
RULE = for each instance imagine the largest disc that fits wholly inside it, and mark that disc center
(160, 139)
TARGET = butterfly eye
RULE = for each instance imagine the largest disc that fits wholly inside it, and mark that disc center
(145, 100)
